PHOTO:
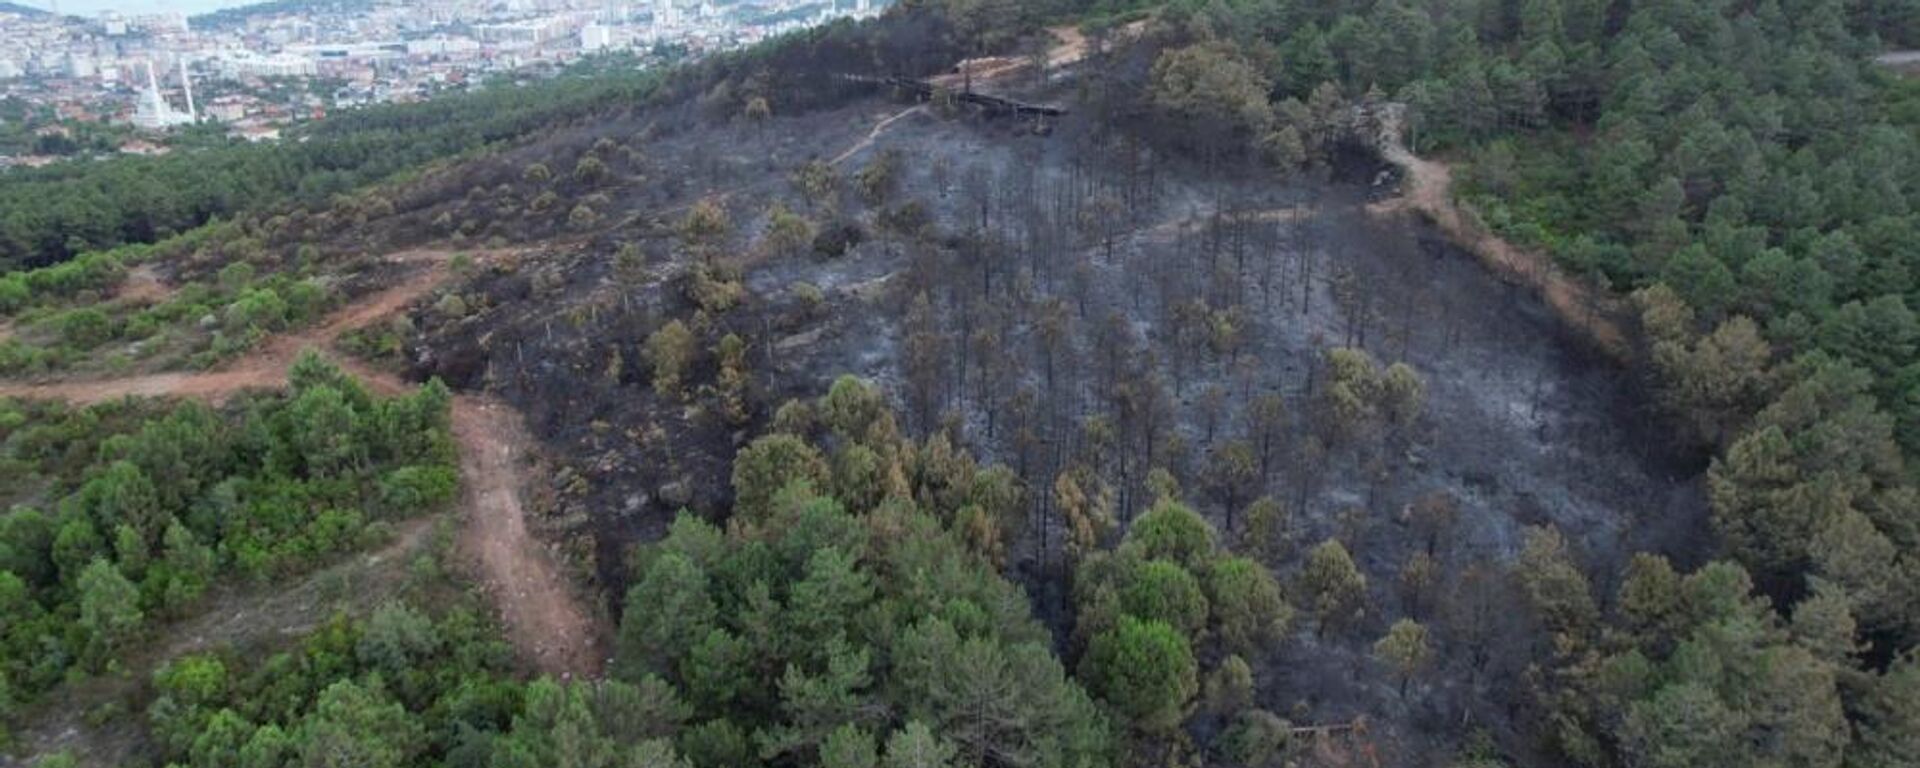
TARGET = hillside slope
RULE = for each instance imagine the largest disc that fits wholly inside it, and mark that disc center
(1198, 419)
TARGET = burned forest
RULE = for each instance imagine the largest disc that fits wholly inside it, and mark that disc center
(1013, 385)
(1112, 324)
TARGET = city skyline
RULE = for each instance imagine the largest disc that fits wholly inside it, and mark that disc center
(131, 7)
(299, 64)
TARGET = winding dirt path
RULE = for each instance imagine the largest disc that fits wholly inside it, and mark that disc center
(1429, 192)
(544, 619)
(874, 135)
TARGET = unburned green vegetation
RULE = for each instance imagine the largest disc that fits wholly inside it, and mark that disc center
(125, 514)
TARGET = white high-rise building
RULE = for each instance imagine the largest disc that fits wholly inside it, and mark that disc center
(237, 64)
(153, 113)
(596, 37)
(186, 85)
(170, 22)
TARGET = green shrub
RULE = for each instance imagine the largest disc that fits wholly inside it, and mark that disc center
(85, 328)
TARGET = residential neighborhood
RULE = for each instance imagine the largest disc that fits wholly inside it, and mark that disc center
(79, 84)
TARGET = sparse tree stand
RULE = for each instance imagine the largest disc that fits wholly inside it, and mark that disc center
(1333, 586)
(670, 351)
(590, 171)
(734, 380)
(1405, 649)
(705, 228)
(926, 351)
(1234, 473)
(1418, 579)
(1266, 428)
(1266, 535)
(1433, 518)
(1086, 514)
(758, 111)
(788, 234)
(818, 186)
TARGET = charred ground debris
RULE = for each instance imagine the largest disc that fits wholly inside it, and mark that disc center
(1092, 302)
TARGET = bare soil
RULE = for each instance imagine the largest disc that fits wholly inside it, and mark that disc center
(537, 603)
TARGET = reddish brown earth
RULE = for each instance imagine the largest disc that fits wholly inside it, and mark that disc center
(535, 598)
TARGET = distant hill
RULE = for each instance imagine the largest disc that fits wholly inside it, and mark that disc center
(23, 10)
(227, 17)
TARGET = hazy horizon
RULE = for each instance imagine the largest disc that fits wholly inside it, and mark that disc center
(130, 7)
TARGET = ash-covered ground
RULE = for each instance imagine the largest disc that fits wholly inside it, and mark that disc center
(1004, 286)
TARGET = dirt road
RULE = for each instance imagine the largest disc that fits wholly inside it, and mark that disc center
(266, 365)
(874, 135)
(536, 603)
(549, 625)
(1429, 192)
